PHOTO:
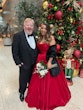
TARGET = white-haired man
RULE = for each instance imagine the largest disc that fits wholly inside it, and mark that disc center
(24, 53)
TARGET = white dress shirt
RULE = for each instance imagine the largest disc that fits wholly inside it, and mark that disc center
(31, 41)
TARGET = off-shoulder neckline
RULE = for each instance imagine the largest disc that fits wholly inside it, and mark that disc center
(42, 43)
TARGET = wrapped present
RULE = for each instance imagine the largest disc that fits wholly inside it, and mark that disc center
(75, 72)
(81, 73)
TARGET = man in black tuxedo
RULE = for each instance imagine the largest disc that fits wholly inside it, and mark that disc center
(24, 53)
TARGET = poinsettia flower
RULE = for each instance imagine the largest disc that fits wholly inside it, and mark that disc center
(60, 32)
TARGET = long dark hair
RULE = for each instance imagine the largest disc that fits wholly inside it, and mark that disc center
(47, 38)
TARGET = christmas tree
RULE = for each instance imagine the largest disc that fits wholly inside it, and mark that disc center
(64, 18)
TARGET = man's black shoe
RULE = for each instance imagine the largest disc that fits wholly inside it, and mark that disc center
(21, 97)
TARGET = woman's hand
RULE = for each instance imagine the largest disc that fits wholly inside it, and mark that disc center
(49, 65)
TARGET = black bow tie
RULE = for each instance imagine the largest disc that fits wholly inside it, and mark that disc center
(30, 35)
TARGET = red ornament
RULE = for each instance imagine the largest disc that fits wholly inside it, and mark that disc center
(79, 28)
(70, 8)
(58, 47)
(79, 3)
(50, 16)
(50, 5)
(77, 53)
(77, 32)
(76, 40)
(81, 45)
(59, 15)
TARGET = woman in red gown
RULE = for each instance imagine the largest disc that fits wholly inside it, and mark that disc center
(48, 92)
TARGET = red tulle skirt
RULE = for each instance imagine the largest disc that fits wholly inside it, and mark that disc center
(48, 92)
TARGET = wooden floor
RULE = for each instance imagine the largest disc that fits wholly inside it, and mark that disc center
(9, 96)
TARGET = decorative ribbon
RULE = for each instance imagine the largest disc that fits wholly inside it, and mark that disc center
(74, 4)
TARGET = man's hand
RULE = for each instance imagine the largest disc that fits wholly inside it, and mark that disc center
(20, 64)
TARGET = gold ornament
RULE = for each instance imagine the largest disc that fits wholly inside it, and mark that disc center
(71, 20)
(80, 61)
(45, 5)
(57, 0)
(81, 10)
(51, 25)
(79, 41)
(52, 28)
(80, 48)
(52, 31)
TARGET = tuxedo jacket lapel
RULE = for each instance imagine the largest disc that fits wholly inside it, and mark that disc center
(26, 42)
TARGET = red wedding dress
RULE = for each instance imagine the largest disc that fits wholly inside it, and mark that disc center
(48, 92)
